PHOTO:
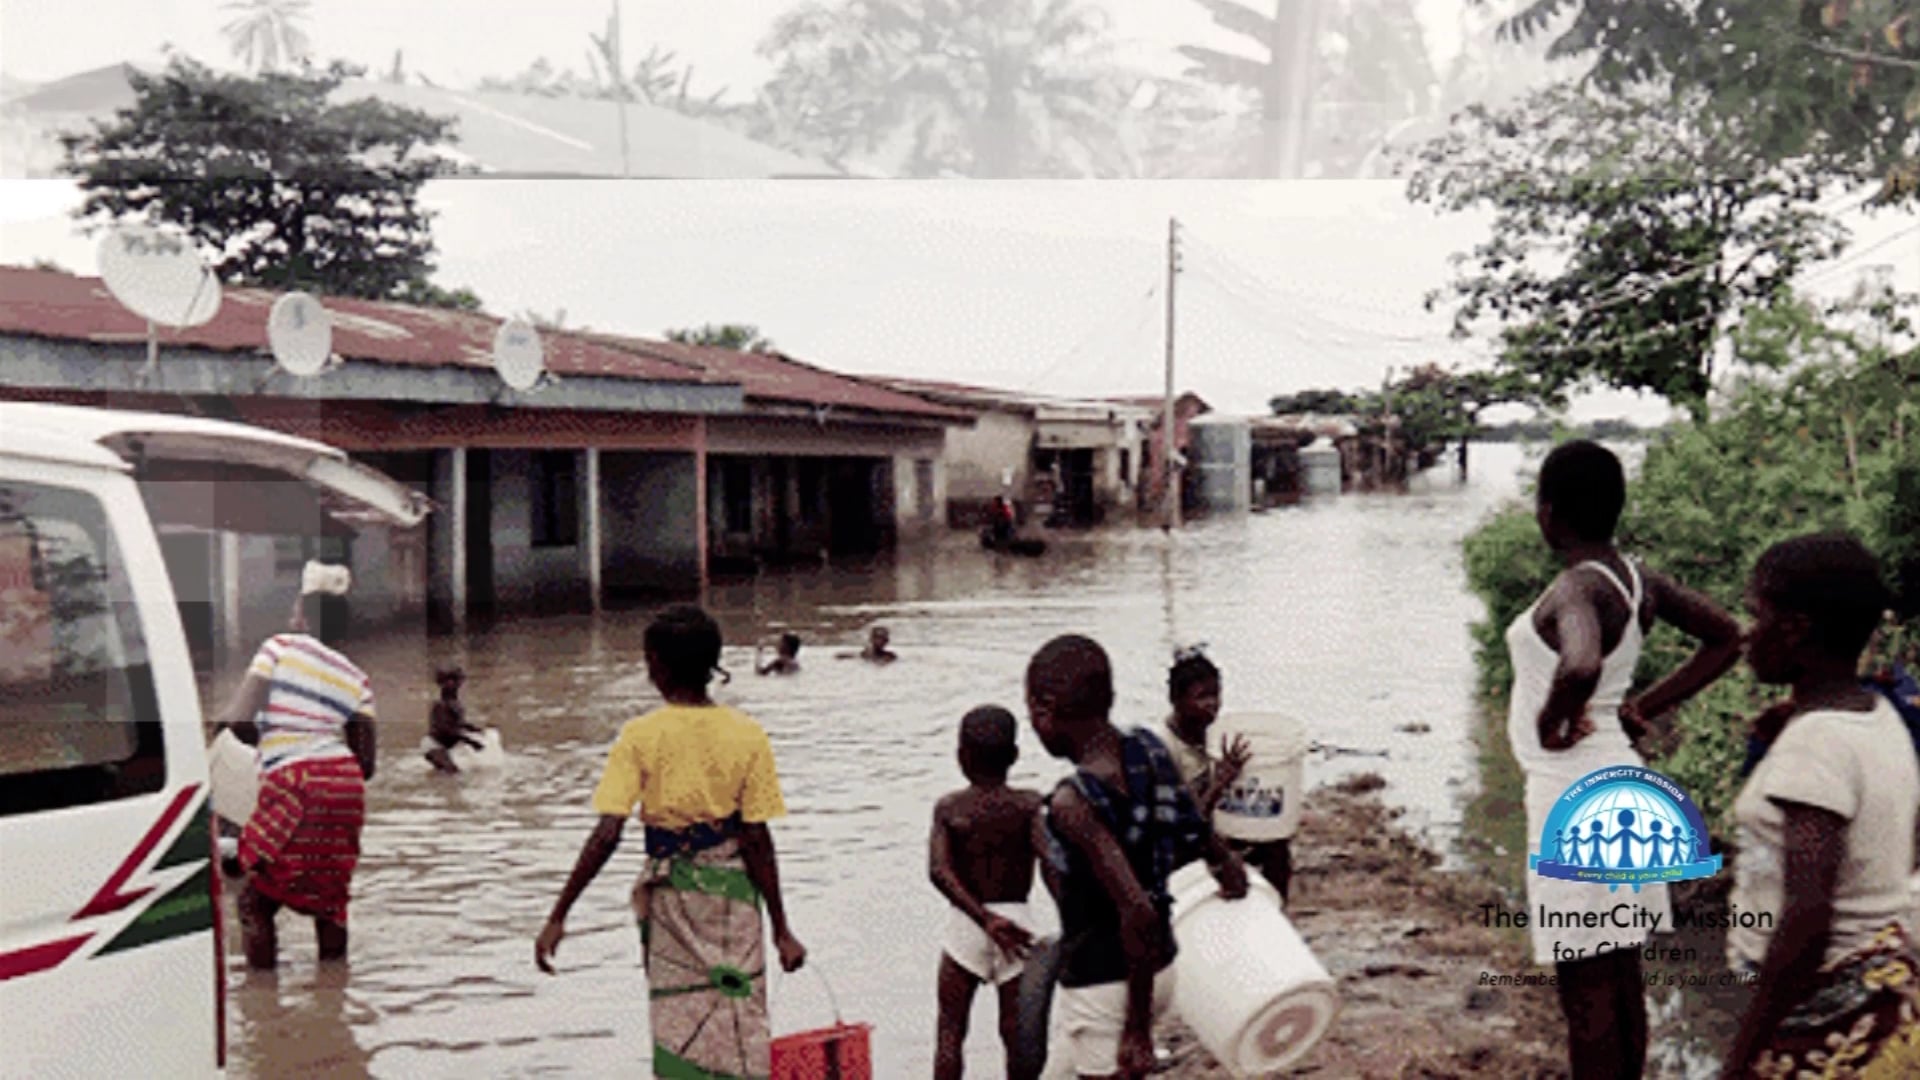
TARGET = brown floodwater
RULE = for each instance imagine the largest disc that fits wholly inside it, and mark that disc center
(1351, 613)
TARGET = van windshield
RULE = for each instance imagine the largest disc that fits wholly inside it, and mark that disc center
(79, 722)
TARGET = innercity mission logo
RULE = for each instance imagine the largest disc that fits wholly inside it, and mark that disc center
(1624, 825)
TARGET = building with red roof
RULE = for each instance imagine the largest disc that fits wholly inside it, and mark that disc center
(637, 466)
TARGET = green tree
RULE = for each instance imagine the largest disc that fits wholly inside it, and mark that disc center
(1625, 236)
(982, 88)
(279, 186)
(1338, 82)
(267, 31)
(735, 336)
(1835, 80)
(1822, 436)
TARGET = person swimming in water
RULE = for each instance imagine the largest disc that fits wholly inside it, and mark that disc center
(786, 657)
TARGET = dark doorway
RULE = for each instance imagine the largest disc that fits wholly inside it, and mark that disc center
(1076, 467)
(479, 538)
(851, 507)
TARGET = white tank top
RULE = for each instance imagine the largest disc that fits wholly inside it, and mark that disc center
(1534, 663)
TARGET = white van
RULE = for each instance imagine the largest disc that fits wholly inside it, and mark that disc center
(111, 959)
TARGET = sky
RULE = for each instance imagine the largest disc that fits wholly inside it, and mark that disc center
(455, 42)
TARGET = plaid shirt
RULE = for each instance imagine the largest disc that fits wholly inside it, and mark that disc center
(1158, 826)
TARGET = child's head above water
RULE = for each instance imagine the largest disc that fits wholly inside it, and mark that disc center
(789, 644)
(988, 746)
(449, 673)
(683, 649)
(1069, 688)
(1193, 686)
(1582, 489)
(878, 638)
(1813, 598)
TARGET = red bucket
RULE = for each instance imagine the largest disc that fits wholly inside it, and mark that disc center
(840, 1052)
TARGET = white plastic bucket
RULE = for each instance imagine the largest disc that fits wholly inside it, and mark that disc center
(233, 777)
(1264, 803)
(1247, 984)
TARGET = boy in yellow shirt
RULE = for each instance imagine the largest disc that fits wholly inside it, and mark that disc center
(702, 777)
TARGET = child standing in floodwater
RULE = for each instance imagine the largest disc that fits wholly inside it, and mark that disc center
(1574, 652)
(981, 858)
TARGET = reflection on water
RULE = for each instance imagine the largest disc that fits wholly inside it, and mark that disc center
(1351, 613)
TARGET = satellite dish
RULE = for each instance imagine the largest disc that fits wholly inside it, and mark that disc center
(301, 334)
(517, 355)
(158, 276)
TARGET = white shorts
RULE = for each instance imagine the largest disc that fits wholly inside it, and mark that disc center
(1093, 1017)
(968, 945)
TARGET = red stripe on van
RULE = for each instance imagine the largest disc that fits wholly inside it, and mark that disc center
(110, 898)
(35, 958)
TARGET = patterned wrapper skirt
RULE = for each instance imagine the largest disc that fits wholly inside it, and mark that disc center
(1862, 1024)
(705, 954)
(303, 840)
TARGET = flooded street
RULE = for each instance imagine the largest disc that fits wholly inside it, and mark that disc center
(1350, 613)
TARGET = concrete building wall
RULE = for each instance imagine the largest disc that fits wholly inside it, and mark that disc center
(526, 575)
(648, 506)
(993, 457)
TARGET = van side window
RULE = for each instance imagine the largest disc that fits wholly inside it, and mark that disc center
(79, 720)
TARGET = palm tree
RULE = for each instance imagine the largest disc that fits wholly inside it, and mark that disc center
(266, 31)
(984, 88)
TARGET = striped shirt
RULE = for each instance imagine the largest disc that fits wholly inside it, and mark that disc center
(312, 691)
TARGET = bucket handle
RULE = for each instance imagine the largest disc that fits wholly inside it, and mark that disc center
(833, 999)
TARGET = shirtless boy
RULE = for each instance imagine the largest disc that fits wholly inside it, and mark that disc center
(982, 859)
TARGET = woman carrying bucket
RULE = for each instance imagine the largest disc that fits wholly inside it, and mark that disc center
(702, 776)
(1574, 652)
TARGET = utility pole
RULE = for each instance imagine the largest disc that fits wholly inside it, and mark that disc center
(620, 90)
(1302, 74)
(1171, 471)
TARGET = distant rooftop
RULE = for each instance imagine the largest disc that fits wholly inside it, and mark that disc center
(504, 134)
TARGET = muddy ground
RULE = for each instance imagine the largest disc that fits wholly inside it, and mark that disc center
(1405, 943)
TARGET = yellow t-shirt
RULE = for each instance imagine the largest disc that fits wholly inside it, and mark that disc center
(685, 765)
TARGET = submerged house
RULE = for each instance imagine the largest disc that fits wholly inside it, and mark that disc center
(620, 476)
(816, 465)
(1066, 461)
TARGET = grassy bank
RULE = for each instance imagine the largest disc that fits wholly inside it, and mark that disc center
(1406, 944)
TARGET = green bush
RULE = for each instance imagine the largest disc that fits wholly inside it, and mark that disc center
(1833, 444)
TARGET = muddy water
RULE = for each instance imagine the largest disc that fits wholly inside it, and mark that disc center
(1350, 613)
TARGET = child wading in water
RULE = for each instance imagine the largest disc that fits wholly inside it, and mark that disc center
(1574, 652)
(981, 858)
(447, 727)
(1113, 835)
(703, 779)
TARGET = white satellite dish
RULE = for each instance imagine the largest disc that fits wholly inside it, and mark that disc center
(301, 334)
(158, 276)
(517, 355)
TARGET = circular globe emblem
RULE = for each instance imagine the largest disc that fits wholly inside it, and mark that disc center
(1624, 825)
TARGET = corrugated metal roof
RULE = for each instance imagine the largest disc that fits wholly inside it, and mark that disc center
(60, 306)
(980, 397)
(778, 378)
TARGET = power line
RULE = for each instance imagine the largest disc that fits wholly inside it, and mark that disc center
(1096, 335)
(1853, 258)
